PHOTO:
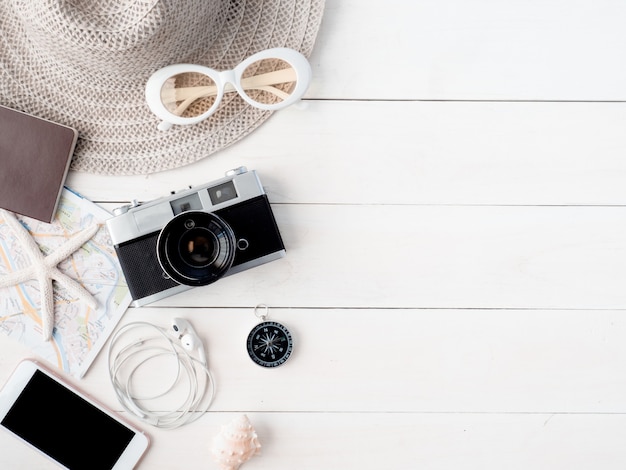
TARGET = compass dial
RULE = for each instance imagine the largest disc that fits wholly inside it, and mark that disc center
(269, 344)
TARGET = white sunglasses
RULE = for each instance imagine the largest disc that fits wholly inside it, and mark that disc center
(187, 93)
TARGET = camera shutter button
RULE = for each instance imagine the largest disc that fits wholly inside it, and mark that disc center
(237, 171)
(121, 210)
(124, 209)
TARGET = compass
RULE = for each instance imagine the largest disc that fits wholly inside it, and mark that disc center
(269, 343)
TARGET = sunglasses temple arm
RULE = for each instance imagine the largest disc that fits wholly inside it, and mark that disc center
(188, 102)
(187, 95)
(270, 89)
(263, 82)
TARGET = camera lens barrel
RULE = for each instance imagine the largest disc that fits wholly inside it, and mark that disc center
(196, 248)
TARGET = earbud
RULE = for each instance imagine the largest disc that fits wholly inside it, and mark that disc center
(192, 342)
(179, 326)
(188, 337)
(189, 341)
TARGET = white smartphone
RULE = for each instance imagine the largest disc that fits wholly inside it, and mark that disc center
(64, 424)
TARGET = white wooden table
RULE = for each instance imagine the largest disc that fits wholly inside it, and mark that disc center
(454, 209)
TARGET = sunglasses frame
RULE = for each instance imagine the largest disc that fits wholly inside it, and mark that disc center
(155, 83)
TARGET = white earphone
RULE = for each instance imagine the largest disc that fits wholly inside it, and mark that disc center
(188, 337)
(180, 341)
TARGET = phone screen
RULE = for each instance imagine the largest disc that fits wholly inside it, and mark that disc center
(66, 427)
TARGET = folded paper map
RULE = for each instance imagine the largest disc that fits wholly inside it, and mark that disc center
(80, 330)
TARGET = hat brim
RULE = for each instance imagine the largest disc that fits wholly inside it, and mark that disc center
(117, 132)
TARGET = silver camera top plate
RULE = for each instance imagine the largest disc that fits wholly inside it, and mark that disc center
(138, 219)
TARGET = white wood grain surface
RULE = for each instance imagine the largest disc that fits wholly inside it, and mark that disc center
(452, 200)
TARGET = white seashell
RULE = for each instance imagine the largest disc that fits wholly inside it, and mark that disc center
(235, 444)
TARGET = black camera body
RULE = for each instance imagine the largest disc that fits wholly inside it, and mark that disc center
(195, 236)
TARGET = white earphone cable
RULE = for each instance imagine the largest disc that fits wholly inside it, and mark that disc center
(124, 364)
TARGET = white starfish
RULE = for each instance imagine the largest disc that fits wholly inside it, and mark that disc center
(44, 269)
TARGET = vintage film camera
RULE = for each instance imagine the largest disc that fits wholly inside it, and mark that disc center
(195, 236)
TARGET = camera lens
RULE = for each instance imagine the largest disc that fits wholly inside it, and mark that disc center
(196, 248)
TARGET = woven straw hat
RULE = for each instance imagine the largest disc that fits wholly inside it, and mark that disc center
(85, 63)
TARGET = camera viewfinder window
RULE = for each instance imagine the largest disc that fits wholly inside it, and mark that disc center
(187, 203)
(222, 193)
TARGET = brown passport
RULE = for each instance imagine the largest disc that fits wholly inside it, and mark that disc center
(35, 156)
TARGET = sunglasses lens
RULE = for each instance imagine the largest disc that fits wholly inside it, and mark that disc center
(269, 81)
(188, 94)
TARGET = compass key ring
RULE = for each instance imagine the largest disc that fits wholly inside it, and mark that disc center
(266, 309)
